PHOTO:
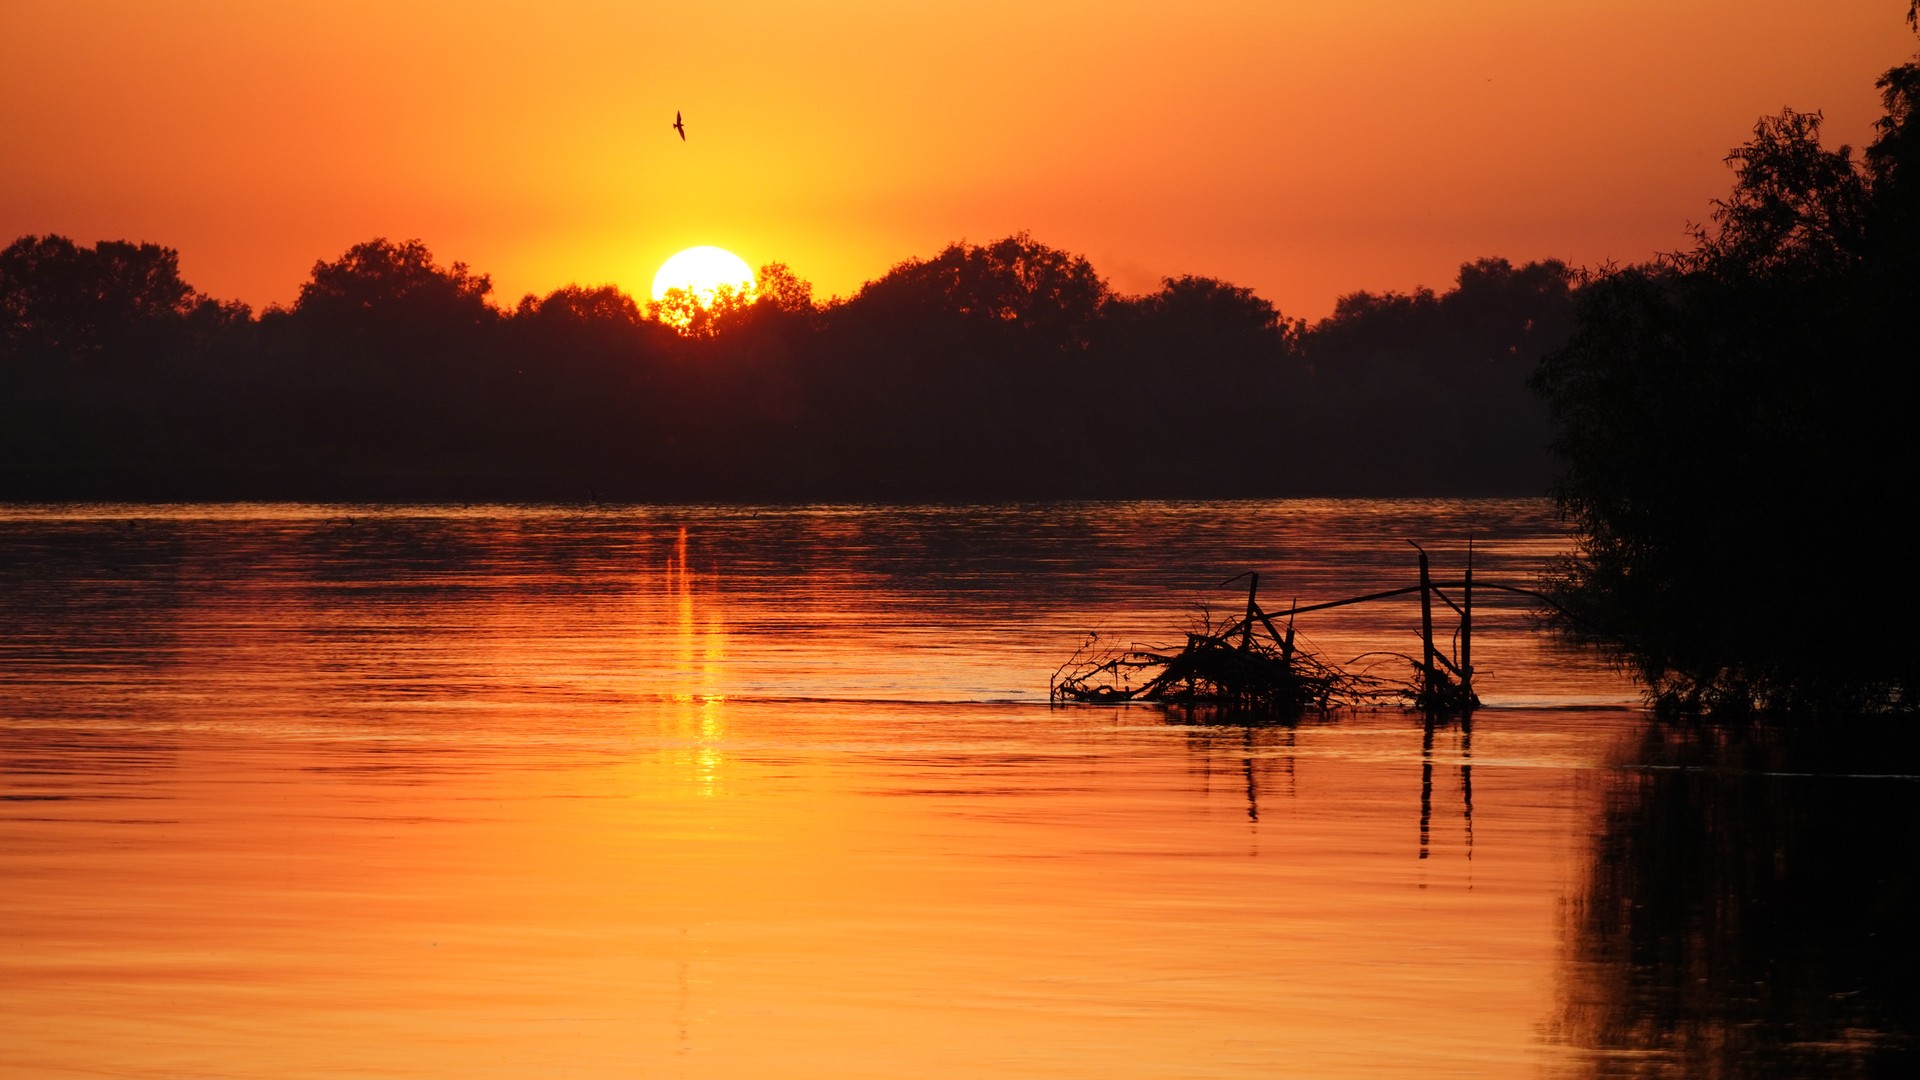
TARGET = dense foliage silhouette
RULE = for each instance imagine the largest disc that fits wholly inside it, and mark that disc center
(995, 371)
(1735, 428)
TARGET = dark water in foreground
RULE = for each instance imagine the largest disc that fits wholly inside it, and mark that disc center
(323, 791)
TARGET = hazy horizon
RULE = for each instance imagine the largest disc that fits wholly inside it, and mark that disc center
(1303, 150)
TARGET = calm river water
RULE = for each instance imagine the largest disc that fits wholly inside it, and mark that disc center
(306, 791)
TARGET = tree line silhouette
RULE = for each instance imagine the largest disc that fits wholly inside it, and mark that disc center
(1003, 370)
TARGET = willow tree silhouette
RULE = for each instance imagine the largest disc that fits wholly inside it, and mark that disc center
(1734, 427)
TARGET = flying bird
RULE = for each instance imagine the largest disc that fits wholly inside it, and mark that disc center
(678, 126)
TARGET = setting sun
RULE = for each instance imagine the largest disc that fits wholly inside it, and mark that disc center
(703, 271)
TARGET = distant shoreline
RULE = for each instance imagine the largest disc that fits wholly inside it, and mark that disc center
(1008, 371)
(474, 497)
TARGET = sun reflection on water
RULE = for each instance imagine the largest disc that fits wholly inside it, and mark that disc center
(699, 657)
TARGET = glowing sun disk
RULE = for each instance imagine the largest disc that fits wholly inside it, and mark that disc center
(703, 271)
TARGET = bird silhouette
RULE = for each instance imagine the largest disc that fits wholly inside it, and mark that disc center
(678, 126)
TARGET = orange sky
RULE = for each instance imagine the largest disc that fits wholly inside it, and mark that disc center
(1305, 148)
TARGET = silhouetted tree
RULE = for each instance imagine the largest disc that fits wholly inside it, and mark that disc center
(1426, 391)
(1797, 210)
(778, 288)
(1049, 296)
(580, 370)
(1206, 313)
(944, 377)
(1185, 389)
(603, 305)
(379, 287)
(391, 370)
(61, 301)
(1733, 423)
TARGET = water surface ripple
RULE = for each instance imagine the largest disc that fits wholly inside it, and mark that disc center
(306, 791)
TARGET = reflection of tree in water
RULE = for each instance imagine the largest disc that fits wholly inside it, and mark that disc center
(87, 597)
(1750, 908)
